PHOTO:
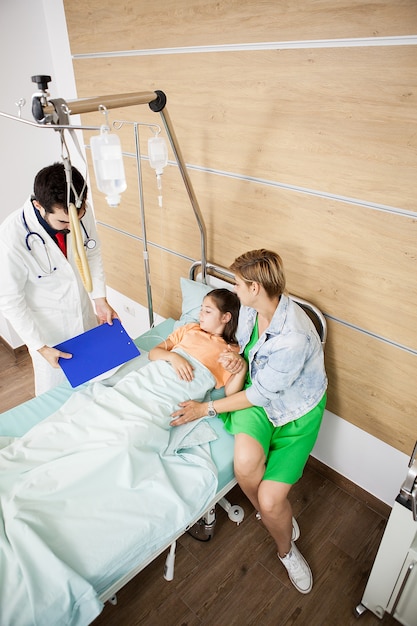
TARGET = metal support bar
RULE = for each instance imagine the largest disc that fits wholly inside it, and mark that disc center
(143, 222)
(15, 118)
(187, 182)
(116, 101)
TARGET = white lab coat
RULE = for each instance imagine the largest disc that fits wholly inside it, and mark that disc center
(45, 308)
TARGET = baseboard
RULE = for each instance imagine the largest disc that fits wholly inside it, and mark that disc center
(355, 491)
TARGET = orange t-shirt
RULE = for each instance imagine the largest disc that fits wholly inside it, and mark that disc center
(204, 347)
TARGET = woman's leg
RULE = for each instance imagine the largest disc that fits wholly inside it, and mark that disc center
(276, 513)
(249, 466)
(270, 498)
(267, 496)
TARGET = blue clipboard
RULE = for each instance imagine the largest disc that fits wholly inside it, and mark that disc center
(96, 351)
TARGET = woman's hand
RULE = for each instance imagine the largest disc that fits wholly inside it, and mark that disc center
(189, 411)
(232, 361)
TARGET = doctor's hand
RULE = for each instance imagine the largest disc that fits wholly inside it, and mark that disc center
(104, 311)
(189, 411)
(52, 355)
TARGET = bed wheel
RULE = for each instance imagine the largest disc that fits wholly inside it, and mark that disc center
(113, 600)
(201, 530)
(234, 511)
(236, 514)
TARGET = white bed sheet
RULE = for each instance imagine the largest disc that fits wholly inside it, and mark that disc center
(108, 459)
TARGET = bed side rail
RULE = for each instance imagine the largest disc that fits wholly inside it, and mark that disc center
(221, 273)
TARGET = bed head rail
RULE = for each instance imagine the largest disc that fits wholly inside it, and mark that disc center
(221, 273)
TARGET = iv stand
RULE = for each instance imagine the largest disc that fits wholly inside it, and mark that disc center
(45, 113)
(157, 103)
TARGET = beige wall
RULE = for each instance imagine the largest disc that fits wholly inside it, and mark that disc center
(306, 146)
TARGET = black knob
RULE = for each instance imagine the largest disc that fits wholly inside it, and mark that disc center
(42, 81)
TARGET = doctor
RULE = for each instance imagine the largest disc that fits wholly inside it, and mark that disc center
(41, 291)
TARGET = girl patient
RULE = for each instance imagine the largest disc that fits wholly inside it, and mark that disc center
(206, 341)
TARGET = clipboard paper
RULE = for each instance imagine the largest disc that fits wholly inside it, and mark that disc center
(96, 351)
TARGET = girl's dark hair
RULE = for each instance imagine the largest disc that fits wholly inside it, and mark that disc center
(227, 302)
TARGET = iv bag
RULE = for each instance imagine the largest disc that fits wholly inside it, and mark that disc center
(108, 165)
(158, 153)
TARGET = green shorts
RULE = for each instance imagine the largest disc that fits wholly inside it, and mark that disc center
(287, 447)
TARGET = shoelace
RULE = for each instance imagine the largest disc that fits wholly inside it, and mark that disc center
(296, 565)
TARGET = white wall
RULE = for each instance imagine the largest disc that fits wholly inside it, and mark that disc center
(24, 51)
(366, 461)
(34, 41)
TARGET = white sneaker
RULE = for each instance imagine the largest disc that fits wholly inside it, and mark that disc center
(298, 570)
(295, 527)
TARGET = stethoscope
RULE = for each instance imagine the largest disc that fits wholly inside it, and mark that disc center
(37, 238)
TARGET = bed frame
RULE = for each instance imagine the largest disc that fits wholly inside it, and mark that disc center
(202, 527)
(216, 273)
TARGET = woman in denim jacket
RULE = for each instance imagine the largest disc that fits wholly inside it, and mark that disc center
(276, 418)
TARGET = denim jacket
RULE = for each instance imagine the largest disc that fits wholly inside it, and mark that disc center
(286, 364)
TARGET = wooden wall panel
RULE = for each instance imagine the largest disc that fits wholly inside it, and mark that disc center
(124, 268)
(123, 264)
(172, 225)
(310, 151)
(353, 277)
(337, 121)
(138, 24)
(346, 258)
(371, 382)
(372, 385)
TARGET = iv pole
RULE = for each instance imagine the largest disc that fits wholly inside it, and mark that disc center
(157, 103)
(47, 115)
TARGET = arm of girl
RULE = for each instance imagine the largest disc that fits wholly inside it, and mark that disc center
(163, 352)
(236, 381)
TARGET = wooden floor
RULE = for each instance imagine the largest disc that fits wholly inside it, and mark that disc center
(16, 377)
(236, 578)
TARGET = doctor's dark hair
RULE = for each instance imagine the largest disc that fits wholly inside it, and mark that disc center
(227, 302)
(263, 267)
(50, 187)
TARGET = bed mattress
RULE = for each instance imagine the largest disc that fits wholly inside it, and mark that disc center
(17, 421)
(76, 466)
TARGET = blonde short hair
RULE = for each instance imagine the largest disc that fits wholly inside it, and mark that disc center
(263, 267)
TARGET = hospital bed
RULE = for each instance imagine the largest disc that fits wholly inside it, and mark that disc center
(106, 553)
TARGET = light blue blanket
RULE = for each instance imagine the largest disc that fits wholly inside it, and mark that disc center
(95, 489)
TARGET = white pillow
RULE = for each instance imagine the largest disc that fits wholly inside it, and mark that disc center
(193, 293)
